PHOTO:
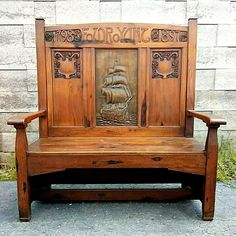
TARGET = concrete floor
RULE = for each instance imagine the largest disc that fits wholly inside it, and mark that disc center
(130, 218)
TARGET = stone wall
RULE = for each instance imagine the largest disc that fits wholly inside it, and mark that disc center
(216, 60)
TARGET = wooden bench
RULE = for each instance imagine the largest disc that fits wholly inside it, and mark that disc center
(116, 105)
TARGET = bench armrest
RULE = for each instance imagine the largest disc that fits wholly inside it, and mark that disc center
(209, 120)
(24, 119)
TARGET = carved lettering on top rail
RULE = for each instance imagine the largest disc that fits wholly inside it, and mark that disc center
(116, 34)
(67, 64)
(163, 35)
(73, 35)
(165, 64)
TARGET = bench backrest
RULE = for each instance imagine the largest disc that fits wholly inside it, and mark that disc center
(109, 79)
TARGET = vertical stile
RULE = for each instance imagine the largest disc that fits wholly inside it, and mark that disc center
(92, 91)
(49, 87)
(41, 70)
(183, 87)
(191, 71)
(142, 103)
(148, 76)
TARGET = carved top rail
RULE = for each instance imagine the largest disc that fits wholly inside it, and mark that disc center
(111, 34)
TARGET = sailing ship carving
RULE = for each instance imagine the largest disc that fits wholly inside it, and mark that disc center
(116, 96)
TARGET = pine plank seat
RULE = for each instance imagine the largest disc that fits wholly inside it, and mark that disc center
(116, 105)
(116, 152)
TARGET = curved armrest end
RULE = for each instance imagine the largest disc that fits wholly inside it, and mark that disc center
(24, 119)
(209, 120)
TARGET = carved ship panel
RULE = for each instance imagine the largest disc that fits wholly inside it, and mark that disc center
(116, 100)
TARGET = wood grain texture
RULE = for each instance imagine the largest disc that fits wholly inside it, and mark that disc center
(114, 195)
(130, 131)
(67, 99)
(164, 102)
(209, 120)
(191, 74)
(114, 145)
(186, 163)
(41, 75)
(23, 183)
(24, 119)
(142, 84)
(208, 204)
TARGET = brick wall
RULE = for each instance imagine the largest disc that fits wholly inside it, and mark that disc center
(216, 60)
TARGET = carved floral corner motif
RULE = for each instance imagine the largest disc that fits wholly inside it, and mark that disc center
(165, 64)
(67, 64)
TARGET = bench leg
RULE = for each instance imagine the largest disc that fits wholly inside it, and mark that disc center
(208, 204)
(24, 202)
(210, 177)
(23, 183)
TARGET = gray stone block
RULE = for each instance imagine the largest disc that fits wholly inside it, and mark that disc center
(110, 11)
(210, 12)
(154, 12)
(215, 100)
(205, 79)
(226, 35)
(230, 117)
(8, 140)
(18, 101)
(216, 57)
(200, 135)
(29, 36)
(74, 12)
(7, 159)
(14, 57)
(46, 10)
(225, 79)
(233, 11)
(11, 35)
(206, 35)
(13, 81)
(32, 80)
(16, 12)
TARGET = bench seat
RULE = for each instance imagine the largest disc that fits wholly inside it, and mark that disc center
(115, 145)
(52, 154)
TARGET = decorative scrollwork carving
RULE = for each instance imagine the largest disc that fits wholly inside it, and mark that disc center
(72, 35)
(67, 64)
(163, 35)
(165, 64)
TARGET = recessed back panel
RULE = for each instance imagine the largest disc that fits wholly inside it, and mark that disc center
(116, 87)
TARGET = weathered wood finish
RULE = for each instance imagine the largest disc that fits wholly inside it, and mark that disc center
(116, 105)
